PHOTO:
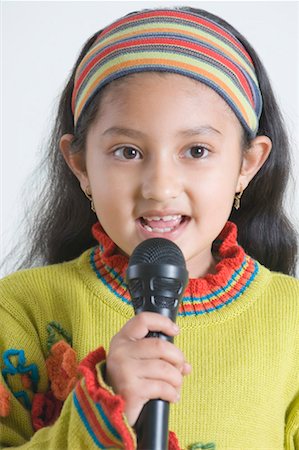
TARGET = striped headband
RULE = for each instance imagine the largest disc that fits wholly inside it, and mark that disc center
(176, 41)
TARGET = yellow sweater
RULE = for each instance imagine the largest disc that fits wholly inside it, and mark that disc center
(239, 331)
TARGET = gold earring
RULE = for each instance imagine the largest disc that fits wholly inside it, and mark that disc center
(88, 195)
(237, 199)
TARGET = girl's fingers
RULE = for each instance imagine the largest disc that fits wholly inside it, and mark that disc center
(156, 389)
(140, 368)
(148, 391)
(186, 369)
(132, 338)
(140, 325)
(158, 370)
(153, 348)
(164, 391)
(142, 383)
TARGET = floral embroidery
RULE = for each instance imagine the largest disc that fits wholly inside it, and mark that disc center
(15, 363)
(62, 372)
(62, 369)
(26, 381)
(4, 401)
(173, 443)
(45, 410)
(55, 332)
(200, 445)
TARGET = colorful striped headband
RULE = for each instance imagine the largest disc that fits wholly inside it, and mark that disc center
(169, 40)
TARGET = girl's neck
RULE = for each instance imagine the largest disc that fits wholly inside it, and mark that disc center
(201, 265)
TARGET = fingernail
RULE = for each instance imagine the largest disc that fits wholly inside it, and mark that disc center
(188, 367)
(175, 328)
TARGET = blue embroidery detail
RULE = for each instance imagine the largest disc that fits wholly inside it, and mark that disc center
(24, 396)
(21, 369)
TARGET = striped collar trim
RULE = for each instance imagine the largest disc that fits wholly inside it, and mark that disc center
(235, 272)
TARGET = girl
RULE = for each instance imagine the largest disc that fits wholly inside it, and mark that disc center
(169, 126)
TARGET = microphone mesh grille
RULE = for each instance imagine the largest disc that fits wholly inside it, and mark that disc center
(157, 250)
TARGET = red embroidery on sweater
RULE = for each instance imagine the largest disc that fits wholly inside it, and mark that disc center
(112, 404)
(55, 333)
(62, 369)
(26, 381)
(45, 410)
(5, 397)
(173, 443)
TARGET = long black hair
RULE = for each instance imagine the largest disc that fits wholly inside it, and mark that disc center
(60, 227)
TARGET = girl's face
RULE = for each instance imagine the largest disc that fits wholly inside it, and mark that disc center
(164, 159)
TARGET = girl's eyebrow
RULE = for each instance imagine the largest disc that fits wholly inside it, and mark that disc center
(130, 132)
(114, 131)
(202, 129)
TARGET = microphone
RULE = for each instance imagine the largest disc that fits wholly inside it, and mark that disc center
(156, 277)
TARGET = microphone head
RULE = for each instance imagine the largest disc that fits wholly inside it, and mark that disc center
(157, 250)
(157, 277)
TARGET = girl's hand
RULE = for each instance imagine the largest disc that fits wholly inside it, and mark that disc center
(141, 369)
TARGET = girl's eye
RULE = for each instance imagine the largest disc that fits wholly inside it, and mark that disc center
(127, 153)
(197, 151)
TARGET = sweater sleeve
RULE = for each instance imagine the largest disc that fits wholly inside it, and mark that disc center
(292, 426)
(48, 400)
(91, 415)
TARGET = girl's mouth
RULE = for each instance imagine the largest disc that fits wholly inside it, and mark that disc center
(162, 224)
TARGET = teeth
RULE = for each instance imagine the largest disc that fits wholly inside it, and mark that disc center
(173, 220)
(153, 218)
(167, 218)
(157, 230)
(162, 230)
(148, 228)
(164, 218)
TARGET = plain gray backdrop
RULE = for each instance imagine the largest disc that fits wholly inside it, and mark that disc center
(40, 43)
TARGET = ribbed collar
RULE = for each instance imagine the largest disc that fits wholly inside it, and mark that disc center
(234, 273)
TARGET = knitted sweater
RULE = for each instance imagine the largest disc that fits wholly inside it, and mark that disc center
(239, 331)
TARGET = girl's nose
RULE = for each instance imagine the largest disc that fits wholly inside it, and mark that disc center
(161, 181)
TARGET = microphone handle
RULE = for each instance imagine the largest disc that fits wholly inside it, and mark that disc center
(152, 424)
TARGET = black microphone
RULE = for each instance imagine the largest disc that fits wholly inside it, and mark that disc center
(156, 278)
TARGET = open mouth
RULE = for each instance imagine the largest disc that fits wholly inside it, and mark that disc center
(163, 224)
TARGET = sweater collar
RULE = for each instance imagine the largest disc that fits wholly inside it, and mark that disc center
(234, 273)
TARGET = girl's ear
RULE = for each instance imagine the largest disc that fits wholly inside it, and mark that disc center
(253, 159)
(75, 161)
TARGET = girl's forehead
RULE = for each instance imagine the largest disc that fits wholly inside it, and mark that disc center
(146, 84)
(153, 96)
